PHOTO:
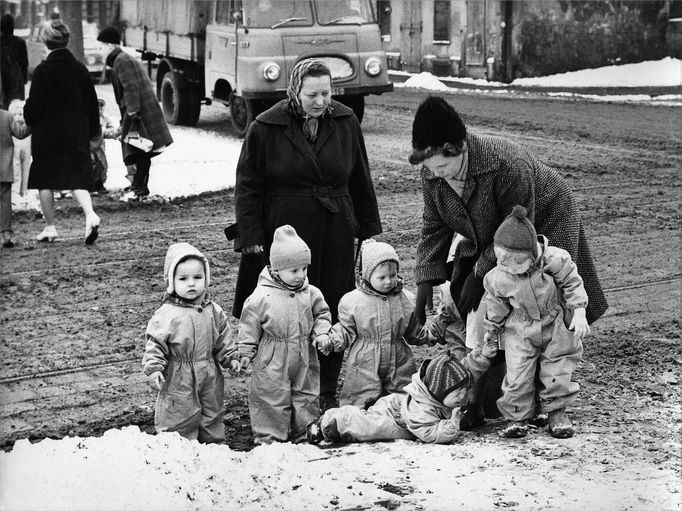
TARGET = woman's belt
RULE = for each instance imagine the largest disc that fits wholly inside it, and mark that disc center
(323, 194)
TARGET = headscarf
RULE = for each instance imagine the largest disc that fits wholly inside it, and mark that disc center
(310, 124)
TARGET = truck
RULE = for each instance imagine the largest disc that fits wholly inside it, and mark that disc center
(241, 52)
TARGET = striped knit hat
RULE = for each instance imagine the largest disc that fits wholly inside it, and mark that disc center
(516, 232)
(288, 249)
(444, 374)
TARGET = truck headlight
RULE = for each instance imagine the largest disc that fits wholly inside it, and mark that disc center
(372, 66)
(271, 71)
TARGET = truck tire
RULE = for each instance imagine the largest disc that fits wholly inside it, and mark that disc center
(242, 112)
(355, 103)
(180, 106)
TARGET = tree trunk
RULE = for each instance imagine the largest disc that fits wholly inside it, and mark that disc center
(72, 14)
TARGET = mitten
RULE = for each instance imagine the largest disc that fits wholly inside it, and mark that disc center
(471, 294)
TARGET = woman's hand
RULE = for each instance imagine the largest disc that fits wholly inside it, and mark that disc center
(579, 324)
(424, 299)
(253, 249)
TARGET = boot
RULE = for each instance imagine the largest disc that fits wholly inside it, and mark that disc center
(515, 429)
(559, 425)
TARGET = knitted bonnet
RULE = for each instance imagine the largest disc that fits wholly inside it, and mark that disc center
(176, 253)
(516, 232)
(444, 374)
(373, 254)
(288, 249)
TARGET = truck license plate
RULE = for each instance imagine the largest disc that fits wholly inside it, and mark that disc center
(338, 91)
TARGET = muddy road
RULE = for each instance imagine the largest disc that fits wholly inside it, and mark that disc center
(73, 317)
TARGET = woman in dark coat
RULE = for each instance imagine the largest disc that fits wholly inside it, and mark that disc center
(13, 61)
(140, 111)
(62, 112)
(304, 163)
(470, 184)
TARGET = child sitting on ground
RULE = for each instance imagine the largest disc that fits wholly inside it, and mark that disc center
(281, 324)
(428, 409)
(188, 339)
(8, 127)
(22, 148)
(98, 155)
(533, 293)
(377, 322)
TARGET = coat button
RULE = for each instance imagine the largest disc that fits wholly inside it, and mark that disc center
(199, 309)
(384, 298)
(292, 295)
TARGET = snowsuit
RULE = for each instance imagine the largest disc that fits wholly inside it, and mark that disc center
(189, 343)
(98, 150)
(276, 330)
(8, 127)
(533, 309)
(377, 328)
(414, 413)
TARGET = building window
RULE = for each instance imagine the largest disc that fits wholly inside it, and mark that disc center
(441, 21)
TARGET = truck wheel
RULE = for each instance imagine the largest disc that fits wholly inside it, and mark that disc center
(355, 103)
(242, 112)
(180, 106)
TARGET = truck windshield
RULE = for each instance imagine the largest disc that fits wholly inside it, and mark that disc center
(344, 12)
(277, 13)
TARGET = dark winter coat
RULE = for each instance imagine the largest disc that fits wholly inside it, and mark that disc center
(13, 67)
(501, 174)
(63, 114)
(134, 94)
(324, 191)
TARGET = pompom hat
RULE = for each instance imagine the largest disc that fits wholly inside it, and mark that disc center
(516, 232)
(288, 249)
(109, 35)
(176, 253)
(444, 374)
(373, 254)
(55, 34)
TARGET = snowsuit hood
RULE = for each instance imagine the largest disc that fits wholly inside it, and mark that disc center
(176, 252)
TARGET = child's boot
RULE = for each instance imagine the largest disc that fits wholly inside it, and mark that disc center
(515, 429)
(559, 425)
(313, 432)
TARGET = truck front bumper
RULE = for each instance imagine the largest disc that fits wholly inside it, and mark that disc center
(353, 90)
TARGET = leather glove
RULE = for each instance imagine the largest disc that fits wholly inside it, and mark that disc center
(471, 294)
(424, 299)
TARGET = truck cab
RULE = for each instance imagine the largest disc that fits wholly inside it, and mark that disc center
(241, 53)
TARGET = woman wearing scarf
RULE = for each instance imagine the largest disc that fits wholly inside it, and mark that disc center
(304, 163)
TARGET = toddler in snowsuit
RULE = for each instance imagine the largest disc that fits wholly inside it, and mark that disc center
(533, 293)
(22, 148)
(281, 324)
(376, 322)
(98, 155)
(188, 340)
(9, 127)
(428, 409)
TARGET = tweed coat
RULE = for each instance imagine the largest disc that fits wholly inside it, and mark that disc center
(324, 191)
(501, 174)
(8, 128)
(134, 94)
(63, 114)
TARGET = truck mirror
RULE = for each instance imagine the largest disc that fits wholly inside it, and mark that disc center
(387, 10)
(237, 16)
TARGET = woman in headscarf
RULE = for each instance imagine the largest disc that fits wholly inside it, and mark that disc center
(304, 163)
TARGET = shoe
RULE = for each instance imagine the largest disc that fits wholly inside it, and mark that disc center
(91, 229)
(142, 191)
(540, 420)
(313, 432)
(49, 234)
(559, 425)
(472, 417)
(328, 401)
(515, 429)
(7, 239)
(102, 191)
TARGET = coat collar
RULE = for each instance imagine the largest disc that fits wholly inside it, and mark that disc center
(60, 54)
(112, 56)
(279, 114)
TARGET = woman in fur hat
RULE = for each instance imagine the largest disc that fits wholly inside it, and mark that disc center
(470, 184)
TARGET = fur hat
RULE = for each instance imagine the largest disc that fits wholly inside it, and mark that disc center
(373, 254)
(178, 252)
(55, 34)
(109, 35)
(516, 232)
(444, 374)
(435, 124)
(288, 249)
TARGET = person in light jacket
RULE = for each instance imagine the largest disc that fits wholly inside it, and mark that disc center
(377, 324)
(303, 163)
(282, 323)
(188, 341)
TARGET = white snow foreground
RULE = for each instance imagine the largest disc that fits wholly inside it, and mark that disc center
(127, 469)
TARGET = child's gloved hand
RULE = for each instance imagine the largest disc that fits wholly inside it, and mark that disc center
(324, 344)
(244, 362)
(490, 345)
(579, 324)
(156, 380)
(235, 367)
